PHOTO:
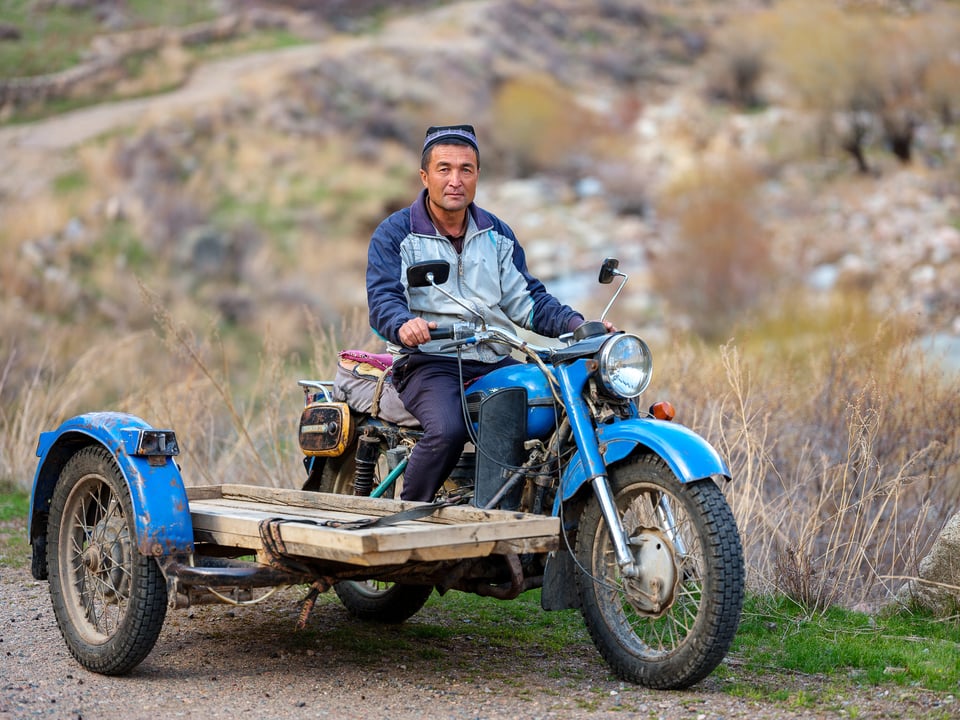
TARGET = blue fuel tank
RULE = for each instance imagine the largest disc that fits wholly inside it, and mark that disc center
(542, 412)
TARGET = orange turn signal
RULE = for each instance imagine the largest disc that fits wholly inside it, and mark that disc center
(662, 410)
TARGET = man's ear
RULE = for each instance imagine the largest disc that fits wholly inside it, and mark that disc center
(423, 177)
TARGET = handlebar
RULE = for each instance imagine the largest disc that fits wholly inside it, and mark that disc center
(464, 333)
(442, 333)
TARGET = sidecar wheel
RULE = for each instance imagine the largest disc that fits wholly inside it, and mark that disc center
(370, 600)
(109, 600)
(672, 626)
(382, 602)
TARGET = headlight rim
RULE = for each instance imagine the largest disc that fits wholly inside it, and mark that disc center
(603, 365)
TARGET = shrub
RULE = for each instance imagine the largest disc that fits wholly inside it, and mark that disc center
(717, 265)
(868, 74)
(738, 64)
(541, 128)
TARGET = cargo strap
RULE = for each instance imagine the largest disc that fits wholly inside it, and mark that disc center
(274, 545)
(378, 393)
(414, 513)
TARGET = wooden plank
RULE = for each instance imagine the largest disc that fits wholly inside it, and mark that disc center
(204, 492)
(373, 507)
(230, 515)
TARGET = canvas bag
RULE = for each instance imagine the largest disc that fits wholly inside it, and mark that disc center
(363, 381)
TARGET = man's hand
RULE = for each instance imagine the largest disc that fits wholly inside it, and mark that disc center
(416, 331)
(609, 326)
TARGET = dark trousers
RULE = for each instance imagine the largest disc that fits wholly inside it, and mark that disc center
(430, 388)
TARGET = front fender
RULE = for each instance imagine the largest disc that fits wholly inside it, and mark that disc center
(159, 498)
(689, 456)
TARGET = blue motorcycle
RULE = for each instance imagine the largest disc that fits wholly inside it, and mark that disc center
(649, 549)
(566, 486)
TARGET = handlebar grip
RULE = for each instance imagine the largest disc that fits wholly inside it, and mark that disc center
(442, 333)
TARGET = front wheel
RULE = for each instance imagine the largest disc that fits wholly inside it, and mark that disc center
(370, 600)
(670, 627)
(109, 600)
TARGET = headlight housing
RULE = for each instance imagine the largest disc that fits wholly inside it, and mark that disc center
(626, 366)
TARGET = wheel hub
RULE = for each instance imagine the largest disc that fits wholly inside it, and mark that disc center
(654, 590)
(108, 555)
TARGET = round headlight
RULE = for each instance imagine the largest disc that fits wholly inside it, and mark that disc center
(625, 365)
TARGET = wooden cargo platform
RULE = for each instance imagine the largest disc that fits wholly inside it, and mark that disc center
(230, 516)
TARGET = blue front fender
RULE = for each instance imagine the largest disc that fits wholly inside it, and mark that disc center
(689, 456)
(159, 498)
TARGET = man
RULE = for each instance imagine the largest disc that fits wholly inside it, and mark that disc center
(489, 272)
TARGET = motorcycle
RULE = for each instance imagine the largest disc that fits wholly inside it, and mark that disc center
(649, 550)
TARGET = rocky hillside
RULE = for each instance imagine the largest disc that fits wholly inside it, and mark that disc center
(241, 199)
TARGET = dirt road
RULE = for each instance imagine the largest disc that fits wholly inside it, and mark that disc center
(217, 662)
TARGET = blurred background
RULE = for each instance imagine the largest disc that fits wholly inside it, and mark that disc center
(187, 190)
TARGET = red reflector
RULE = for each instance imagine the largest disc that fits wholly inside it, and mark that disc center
(662, 410)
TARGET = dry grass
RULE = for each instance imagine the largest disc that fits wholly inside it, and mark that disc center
(845, 457)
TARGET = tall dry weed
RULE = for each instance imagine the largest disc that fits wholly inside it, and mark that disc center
(845, 463)
(61, 383)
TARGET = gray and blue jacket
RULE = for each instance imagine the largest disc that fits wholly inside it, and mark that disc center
(490, 274)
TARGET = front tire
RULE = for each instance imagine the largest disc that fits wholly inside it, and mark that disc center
(370, 600)
(679, 644)
(109, 600)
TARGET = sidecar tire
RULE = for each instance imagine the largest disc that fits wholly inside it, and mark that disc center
(370, 601)
(690, 638)
(109, 600)
(388, 603)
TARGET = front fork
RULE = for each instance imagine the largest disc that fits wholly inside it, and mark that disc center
(621, 544)
(572, 379)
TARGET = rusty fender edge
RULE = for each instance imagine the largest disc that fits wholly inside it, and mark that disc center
(159, 499)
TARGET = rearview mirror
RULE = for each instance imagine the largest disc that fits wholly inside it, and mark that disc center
(608, 270)
(422, 274)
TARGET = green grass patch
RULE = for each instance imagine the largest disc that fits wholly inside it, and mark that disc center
(120, 240)
(55, 38)
(70, 182)
(906, 649)
(60, 106)
(268, 39)
(14, 504)
(522, 621)
(14, 548)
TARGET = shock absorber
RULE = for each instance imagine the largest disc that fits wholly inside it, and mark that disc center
(368, 451)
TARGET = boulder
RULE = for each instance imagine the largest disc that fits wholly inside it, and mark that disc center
(938, 586)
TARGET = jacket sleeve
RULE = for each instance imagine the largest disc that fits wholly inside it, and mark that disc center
(386, 299)
(547, 316)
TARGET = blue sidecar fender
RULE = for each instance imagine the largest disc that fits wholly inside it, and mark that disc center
(689, 456)
(159, 498)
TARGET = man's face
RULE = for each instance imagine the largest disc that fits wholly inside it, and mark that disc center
(451, 177)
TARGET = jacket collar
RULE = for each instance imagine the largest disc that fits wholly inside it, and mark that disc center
(421, 224)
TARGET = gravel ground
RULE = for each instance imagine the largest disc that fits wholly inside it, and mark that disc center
(222, 662)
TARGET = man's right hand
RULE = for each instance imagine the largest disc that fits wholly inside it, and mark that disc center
(416, 331)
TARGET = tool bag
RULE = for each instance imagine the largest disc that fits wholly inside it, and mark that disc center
(363, 381)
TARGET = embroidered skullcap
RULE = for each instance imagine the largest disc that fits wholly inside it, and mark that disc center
(437, 134)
